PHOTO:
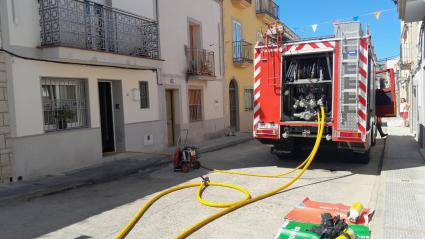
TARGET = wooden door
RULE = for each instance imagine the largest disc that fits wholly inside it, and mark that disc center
(170, 117)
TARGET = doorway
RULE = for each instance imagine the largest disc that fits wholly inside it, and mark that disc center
(169, 99)
(234, 105)
(106, 116)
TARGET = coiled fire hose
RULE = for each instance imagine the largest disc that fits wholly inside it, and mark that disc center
(229, 207)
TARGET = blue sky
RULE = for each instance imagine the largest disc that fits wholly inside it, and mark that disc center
(301, 14)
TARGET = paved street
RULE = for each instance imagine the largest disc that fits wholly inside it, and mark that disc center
(100, 211)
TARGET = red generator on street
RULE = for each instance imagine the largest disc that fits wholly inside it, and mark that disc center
(293, 80)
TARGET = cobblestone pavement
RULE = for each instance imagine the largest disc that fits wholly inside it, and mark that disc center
(101, 210)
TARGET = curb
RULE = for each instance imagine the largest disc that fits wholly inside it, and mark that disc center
(34, 189)
(27, 191)
(224, 145)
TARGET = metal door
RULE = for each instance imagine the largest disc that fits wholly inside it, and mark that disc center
(106, 116)
(385, 94)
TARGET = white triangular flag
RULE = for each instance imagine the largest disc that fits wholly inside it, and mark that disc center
(314, 27)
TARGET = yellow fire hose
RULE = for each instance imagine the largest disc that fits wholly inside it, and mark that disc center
(229, 207)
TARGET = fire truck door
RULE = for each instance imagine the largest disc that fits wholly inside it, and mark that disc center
(385, 94)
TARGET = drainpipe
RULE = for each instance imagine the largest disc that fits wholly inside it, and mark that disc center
(157, 22)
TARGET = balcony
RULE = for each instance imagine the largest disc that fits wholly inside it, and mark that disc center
(242, 3)
(90, 26)
(200, 63)
(242, 53)
(268, 10)
(411, 10)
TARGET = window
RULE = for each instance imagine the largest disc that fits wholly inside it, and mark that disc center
(249, 99)
(259, 36)
(195, 105)
(64, 103)
(237, 38)
(144, 94)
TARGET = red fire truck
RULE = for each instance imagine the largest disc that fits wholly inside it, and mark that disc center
(294, 79)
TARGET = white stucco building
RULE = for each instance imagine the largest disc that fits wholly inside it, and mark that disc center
(192, 74)
(79, 79)
(412, 62)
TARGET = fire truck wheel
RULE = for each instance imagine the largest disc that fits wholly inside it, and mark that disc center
(373, 135)
(284, 156)
(196, 164)
(362, 158)
(185, 168)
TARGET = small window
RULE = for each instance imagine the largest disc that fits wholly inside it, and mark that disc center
(249, 99)
(259, 36)
(195, 105)
(64, 104)
(144, 94)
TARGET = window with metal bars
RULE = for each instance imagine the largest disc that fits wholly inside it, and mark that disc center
(64, 103)
(144, 94)
(195, 105)
(249, 99)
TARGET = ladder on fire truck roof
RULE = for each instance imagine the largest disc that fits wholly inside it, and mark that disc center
(350, 34)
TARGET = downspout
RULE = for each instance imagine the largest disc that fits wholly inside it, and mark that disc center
(158, 81)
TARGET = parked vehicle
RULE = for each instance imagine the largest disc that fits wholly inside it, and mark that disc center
(293, 80)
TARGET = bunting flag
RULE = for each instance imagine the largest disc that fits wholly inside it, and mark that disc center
(377, 14)
(314, 27)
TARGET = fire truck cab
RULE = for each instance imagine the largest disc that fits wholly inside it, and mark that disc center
(292, 81)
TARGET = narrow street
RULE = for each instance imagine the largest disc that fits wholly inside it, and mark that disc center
(102, 101)
(100, 211)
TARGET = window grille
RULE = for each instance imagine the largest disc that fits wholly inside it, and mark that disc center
(195, 105)
(64, 104)
(144, 94)
(249, 99)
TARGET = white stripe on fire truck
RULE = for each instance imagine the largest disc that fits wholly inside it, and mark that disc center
(310, 46)
(256, 108)
(257, 59)
(257, 82)
(257, 72)
(256, 120)
(257, 96)
(362, 86)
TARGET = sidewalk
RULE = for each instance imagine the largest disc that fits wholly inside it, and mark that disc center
(400, 211)
(125, 164)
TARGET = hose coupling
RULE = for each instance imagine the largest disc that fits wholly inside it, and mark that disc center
(205, 179)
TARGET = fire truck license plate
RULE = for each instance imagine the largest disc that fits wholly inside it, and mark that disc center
(266, 126)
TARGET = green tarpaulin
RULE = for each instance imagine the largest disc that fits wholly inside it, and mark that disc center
(298, 230)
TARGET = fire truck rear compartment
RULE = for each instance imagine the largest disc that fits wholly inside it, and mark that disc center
(307, 85)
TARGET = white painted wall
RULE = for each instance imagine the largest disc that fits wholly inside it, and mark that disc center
(24, 23)
(144, 8)
(173, 19)
(26, 92)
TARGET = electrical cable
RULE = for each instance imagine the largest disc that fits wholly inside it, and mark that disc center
(72, 63)
(229, 207)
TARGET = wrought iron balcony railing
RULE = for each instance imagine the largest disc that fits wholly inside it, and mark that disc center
(200, 62)
(268, 7)
(88, 25)
(242, 52)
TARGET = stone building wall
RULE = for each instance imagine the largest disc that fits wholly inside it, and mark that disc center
(5, 140)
